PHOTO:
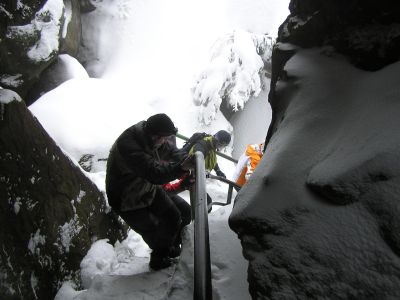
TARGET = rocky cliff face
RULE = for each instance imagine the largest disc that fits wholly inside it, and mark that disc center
(319, 217)
(50, 211)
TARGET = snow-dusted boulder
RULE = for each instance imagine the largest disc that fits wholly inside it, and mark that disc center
(64, 68)
(32, 34)
(50, 211)
(367, 32)
(319, 219)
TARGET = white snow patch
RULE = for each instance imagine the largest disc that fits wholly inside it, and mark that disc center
(17, 205)
(68, 231)
(68, 18)
(11, 80)
(34, 284)
(47, 21)
(73, 67)
(100, 259)
(9, 15)
(126, 258)
(67, 291)
(35, 241)
(23, 8)
(80, 196)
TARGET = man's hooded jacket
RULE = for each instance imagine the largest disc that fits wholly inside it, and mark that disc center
(134, 169)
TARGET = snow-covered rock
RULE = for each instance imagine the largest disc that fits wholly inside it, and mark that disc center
(367, 32)
(32, 34)
(319, 217)
(64, 68)
(50, 211)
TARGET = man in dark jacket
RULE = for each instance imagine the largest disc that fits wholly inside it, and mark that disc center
(134, 177)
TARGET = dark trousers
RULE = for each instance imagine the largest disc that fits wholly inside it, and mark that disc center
(161, 223)
(186, 214)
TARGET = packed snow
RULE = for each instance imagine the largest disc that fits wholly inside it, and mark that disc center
(147, 57)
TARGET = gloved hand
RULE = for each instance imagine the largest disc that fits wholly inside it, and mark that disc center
(187, 182)
(220, 173)
(187, 163)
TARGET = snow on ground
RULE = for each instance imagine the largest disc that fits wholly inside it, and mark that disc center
(122, 272)
(146, 57)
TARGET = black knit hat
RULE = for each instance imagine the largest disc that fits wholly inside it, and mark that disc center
(223, 137)
(160, 124)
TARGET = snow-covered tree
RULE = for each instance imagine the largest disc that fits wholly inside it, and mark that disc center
(234, 73)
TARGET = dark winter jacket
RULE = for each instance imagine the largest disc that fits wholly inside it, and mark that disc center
(169, 151)
(134, 169)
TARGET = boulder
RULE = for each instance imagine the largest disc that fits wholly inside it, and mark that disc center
(50, 211)
(32, 34)
(318, 219)
(367, 32)
(65, 67)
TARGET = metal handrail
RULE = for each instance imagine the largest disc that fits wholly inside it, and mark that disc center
(198, 198)
(223, 179)
(232, 185)
(202, 264)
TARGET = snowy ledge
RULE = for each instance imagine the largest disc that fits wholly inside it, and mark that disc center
(7, 96)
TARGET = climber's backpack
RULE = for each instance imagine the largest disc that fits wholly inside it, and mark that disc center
(193, 140)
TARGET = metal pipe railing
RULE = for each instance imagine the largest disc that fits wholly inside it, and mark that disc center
(232, 185)
(223, 179)
(202, 263)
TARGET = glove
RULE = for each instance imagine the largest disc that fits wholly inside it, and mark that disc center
(187, 163)
(220, 173)
(187, 182)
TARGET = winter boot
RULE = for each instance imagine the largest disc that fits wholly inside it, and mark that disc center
(159, 260)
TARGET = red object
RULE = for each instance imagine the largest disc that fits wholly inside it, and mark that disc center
(178, 186)
(173, 187)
